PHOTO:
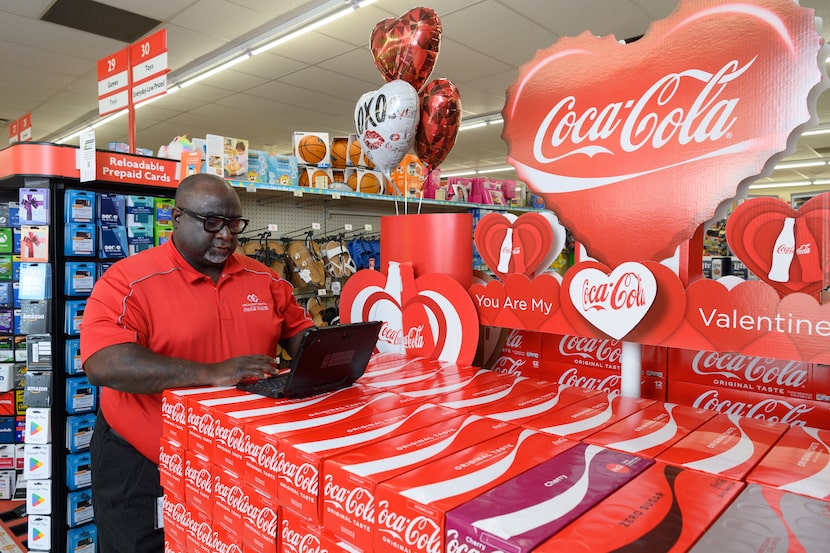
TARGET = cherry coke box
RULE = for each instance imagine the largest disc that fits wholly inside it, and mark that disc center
(260, 522)
(523, 512)
(411, 507)
(744, 373)
(769, 520)
(579, 420)
(504, 389)
(301, 454)
(232, 442)
(174, 408)
(666, 507)
(262, 463)
(727, 445)
(533, 404)
(350, 480)
(651, 430)
(799, 462)
(752, 404)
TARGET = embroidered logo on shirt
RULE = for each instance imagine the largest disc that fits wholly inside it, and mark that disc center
(253, 304)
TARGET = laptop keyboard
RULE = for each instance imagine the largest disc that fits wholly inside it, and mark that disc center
(270, 387)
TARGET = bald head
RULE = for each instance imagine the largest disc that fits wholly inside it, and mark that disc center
(201, 184)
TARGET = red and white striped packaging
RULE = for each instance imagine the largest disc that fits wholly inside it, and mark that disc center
(174, 408)
(198, 483)
(799, 462)
(176, 516)
(230, 501)
(260, 522)
(525, 407)
(579, 420)
(201, 421)
(207, 538)
(411, 507)
(301, 454)
(608, 381)
(742, 373)
(493, 392)
(232, 443)
(350, 479)
(598, 353)
(298, 535)
(171, 466)
(428, 390)
(726, 445)
(756, 405)
(447, 373)
(651, 430)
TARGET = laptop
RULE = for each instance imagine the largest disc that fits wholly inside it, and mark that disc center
(329, 358)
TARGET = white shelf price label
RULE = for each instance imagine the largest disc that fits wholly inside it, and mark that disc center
(273, 227)
(315, 226)
(348, 226)
(367, 227)
(298, 193)
(335, 195)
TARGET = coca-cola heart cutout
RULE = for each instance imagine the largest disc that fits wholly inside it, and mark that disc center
(717, 311)
(526, 244)
(634, 146)
(753, 230)
(431, 316)
(406, 48)
(489, 300)
(612, 302)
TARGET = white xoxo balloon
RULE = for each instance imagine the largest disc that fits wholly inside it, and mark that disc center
(386, 120)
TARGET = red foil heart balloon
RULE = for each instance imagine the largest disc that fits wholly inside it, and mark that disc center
(440, 119)
(753, 232)
(406, 48)
(635, 145)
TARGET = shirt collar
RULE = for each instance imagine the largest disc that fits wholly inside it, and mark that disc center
(232, 264)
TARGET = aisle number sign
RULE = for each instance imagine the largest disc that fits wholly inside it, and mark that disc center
(139, 70)
(21, 130)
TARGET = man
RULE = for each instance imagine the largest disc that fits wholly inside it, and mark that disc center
(189, 312)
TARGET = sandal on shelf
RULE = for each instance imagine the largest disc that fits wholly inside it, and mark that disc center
(349, 267)
(315, 311)
(339, 259)
(306, 270)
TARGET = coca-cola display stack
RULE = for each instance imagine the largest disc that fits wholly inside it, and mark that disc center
(425, 456)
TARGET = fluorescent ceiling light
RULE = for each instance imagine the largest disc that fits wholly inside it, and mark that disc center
(460, 173)
(780, 184)
(813, 132)
(801, 164)
(476, 125)
(495, 170)
(210, 73)
(303, 30)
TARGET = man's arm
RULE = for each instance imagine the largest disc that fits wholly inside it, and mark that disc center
(134, 369)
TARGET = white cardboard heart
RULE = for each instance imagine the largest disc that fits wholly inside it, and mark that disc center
(614, 303)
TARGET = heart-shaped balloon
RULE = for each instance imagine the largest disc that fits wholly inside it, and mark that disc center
(385, 120)
(752, 231)
(406, 48)
(636, 145)
(440, 119)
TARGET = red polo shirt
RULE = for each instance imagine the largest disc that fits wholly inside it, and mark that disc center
(158, 300)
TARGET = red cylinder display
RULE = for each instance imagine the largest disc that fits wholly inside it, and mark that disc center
(433, 242)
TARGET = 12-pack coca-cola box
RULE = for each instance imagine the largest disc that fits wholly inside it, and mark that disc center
(666, 507)
(522, 408)
(799, 462)
(524, 511)
(411, 507)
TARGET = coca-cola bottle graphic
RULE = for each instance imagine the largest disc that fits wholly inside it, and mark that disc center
(506, 252)
(806, 252)
(783, 252)
(400, 286)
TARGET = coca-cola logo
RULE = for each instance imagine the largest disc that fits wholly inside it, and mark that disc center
(204, 534)
(509, 365)
(514, 339)
(300, 477)
(171, 462)
(268, 458)
(684, 104)
(772, 409)
(198, 478)
(790, 374)
(357, 502)
(420, 532)
(610, 384)
(616, 302)
(173, 413)
(455, 545)
(204, 424)
(299, 543)
(596, 349)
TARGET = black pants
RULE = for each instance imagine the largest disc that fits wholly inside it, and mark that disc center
(125, 487)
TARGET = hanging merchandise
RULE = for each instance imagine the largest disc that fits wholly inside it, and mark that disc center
(406, 48)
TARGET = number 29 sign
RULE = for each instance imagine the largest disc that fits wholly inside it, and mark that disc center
(139, 70)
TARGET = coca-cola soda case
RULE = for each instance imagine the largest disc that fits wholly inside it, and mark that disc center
(799, 462)
(651, 430)
(524, 511)
(666, 507)
(494, 392)
(522, 408)
(725, 445)
(411, 507)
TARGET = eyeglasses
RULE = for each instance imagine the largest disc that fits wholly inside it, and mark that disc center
(215, 223)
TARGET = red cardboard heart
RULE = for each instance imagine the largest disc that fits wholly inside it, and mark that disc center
(635, 145)
(525, 245)
(801, 316)
(752, 231)
(533, 301)
(727, 317)
(489, 300)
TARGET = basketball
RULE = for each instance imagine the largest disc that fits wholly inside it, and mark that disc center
(303, 181)
(338, 176)
(311, 149)
(317, 175)
(352, 182)
(369, 184)
(354, 154)
(339, 154)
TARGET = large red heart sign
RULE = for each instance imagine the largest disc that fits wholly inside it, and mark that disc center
(635, 145)
(526, 244)
(788, 249)
(406, 48)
